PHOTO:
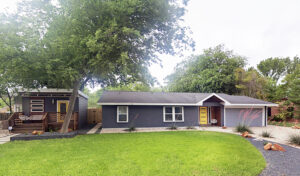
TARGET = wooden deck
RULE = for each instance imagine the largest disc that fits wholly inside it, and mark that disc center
(49, 122)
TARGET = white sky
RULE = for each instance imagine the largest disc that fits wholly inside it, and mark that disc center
(257, 29)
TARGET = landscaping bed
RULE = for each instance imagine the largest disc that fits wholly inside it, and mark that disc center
(46, 135)
(170, 153)
(283, 123)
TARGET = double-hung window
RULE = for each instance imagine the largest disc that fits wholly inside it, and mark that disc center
(122, 114)
(173, 114)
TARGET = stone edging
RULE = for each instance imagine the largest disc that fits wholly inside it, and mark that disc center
(47, 135)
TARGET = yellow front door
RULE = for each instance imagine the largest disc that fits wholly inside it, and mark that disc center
(203, 115)
(62, 108)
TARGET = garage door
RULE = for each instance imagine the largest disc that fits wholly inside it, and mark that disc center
(248, 116)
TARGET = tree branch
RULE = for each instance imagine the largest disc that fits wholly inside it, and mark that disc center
(3, 99)
(84, 82)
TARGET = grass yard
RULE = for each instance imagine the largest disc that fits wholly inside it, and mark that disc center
(133, 154)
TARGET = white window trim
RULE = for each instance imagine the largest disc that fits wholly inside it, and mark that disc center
(173, 114)
(266, 116)
(41, 102)
(224, 124)
(41, 106)
(127, 117)
(32, 101)
(263, 116)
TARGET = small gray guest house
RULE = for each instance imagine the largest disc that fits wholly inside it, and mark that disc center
(45, 110)
(123, 109)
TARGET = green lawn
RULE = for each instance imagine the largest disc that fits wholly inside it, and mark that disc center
(134, 154)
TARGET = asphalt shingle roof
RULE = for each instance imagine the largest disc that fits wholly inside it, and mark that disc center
(171, 97)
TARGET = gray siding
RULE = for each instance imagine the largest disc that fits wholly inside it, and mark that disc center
(26, 105)
(147, 116)
(83, 106)
(48, 106)
(152, 116)
(248, 116)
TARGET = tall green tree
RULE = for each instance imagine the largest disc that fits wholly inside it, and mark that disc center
(10, 50)
(274, 68)
(21, 62)
(136, 86)
(104, 42)
(292, 64)
(212, 71)
(294, 89)
(250, 83)
(277, 92)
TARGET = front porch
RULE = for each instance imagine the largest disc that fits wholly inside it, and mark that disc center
(210, 116)
(211, 113)
(49, 121)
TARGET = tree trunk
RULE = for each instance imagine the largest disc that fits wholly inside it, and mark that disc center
(64, 128)
(9, 101)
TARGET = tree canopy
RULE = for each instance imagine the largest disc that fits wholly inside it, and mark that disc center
(110, 41)
(212, 71)
(250, 83)
(294, 90)
(276, 68)
(69, 43)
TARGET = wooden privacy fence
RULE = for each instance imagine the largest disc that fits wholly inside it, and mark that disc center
(4, 116)
(95, 115)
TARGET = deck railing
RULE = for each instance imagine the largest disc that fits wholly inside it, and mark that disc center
(54, 123)
(11, 119)
(49, 120)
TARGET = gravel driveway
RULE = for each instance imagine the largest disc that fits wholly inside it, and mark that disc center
(279, 163)
(279, 134)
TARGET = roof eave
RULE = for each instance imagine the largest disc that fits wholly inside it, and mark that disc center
(251, 105)
(183, 104)
(80, 93)
(147, 104)
(209, 96)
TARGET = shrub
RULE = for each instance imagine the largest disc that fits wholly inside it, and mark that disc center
(173, 127)
(130, 129)
(278, 118)
(241, 128)
(190, 127)
(266, 134)
(295, 139)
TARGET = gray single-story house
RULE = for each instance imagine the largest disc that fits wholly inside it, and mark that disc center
(123, 109)
(45, 109)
